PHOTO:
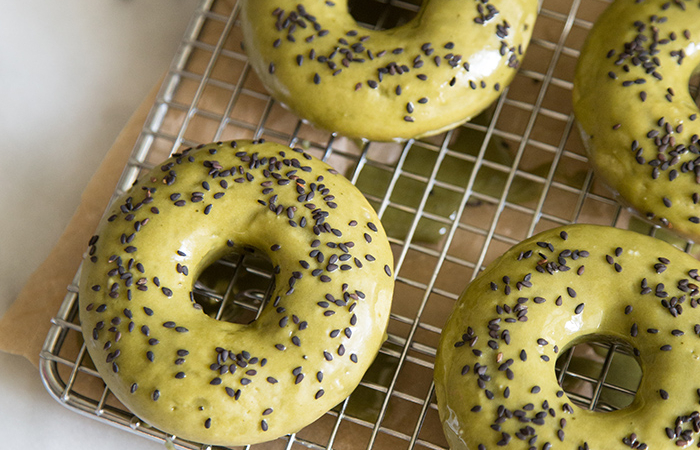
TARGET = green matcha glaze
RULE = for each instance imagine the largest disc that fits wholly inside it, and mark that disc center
(225, 383)
(496, 358)
(443, 202)
(431, 74)
(637, 118)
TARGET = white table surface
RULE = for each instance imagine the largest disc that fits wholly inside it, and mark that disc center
(71, 74)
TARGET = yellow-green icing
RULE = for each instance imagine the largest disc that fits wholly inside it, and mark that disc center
(637, 118)
(431, 74)
(169, 362)
(494, 373)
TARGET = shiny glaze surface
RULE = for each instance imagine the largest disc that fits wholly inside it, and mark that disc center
(494, 374)
(228, 383)
(632, 102)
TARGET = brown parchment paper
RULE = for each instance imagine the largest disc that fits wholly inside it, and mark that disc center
(24, 326)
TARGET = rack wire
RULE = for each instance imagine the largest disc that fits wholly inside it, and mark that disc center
(450, 203)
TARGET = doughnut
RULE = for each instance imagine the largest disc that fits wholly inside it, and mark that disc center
(225, 383)
(495, 368)
(426, 76)
(635, 112)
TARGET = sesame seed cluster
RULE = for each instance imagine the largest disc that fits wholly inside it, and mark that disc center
(635, 111)
(226, 383)
(431, 74)
(495, 379)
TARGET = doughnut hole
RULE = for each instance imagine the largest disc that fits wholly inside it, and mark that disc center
(236, 287)
(382, 14)
(599, 373)
(694, 86)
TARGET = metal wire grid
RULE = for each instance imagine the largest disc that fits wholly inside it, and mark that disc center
(394, 406)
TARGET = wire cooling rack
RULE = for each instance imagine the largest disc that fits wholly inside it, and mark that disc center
(450, 203)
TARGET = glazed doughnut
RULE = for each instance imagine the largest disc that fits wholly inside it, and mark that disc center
(633, 105)
(431, 74)
(494, 373)
(226, 383)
